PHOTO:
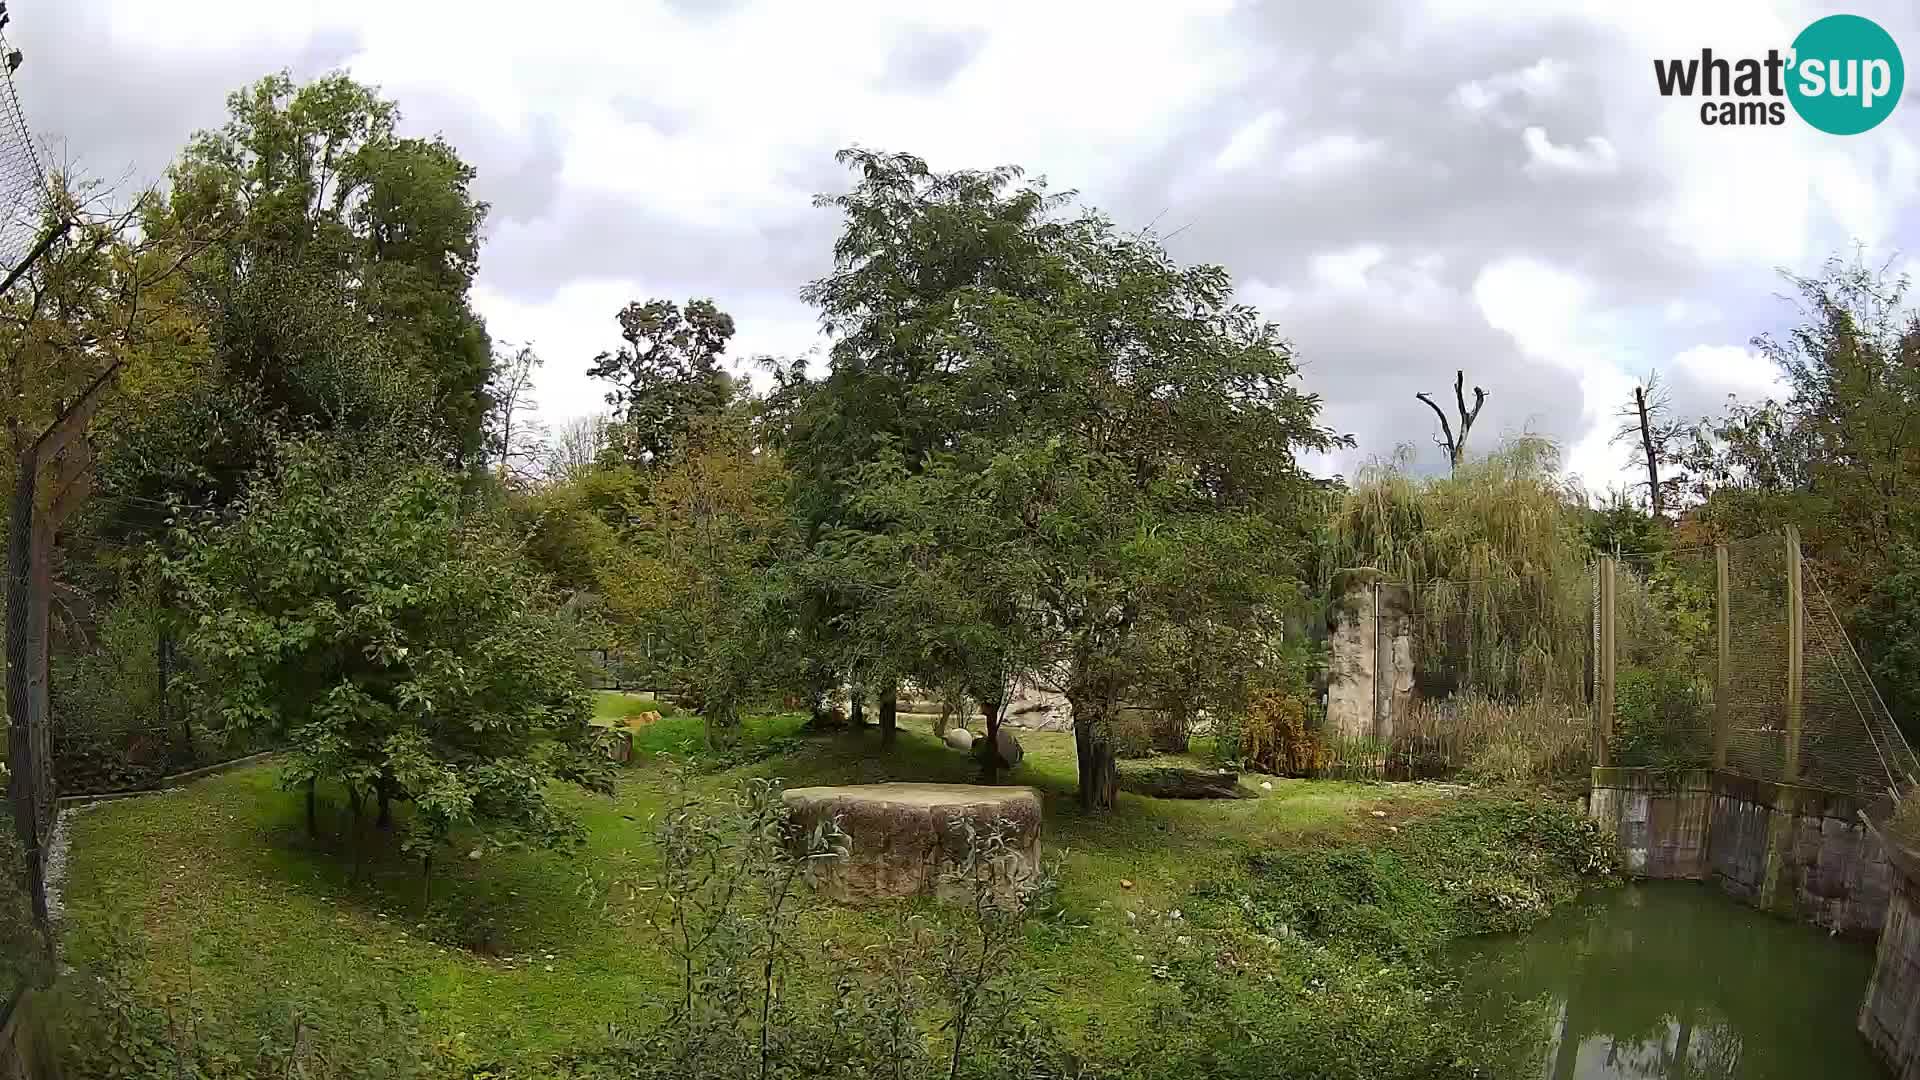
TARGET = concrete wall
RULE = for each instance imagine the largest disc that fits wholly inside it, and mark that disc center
(1795, 851)
(1799, 852)
(1661, 826)
(1890, 1014)
(1370, 656)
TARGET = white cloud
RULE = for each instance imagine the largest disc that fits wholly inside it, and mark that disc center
(1594, 157)
(1330, 153)
(698, 137)
(1731, 369)
(1549, 313)
(1249, 145)
(1346, 269)
(1543, 79)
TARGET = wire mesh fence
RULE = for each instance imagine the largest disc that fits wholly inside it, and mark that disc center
(125, 714)
(1757, 647)
(28, 778)
(1793, 703)
(1665, 659)
(23, 184)
(1849, 740)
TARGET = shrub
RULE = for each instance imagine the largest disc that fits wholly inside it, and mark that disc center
(20, 944)
(1483, 738)
(1276, 737)
(1490, 865)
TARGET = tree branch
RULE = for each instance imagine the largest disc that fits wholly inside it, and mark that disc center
(1446, 430)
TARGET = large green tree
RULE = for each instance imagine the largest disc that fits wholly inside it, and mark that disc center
(1120, 419)
(666, 376)
(336, 229)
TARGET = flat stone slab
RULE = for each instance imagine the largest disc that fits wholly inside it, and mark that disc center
(906, 839)
(1179, 781)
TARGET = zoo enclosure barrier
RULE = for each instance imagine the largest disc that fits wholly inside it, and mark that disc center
(1733, 657)
(1429, 679)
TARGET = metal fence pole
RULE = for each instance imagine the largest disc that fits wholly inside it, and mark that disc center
(1603, 670)
(1723, 619)
(1796, 646)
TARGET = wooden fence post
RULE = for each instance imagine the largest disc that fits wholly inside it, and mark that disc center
(1722, 712)
(1796, 629)
(1603, 670)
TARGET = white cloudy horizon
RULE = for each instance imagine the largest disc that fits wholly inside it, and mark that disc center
(1405, 188)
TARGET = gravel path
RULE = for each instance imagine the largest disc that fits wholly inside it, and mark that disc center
(58, 848)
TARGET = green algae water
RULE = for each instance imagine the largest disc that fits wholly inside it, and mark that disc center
(1672, 979)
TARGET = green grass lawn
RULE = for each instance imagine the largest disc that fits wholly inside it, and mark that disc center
(230, 895)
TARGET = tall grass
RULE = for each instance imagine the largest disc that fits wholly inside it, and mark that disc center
(1471, 734)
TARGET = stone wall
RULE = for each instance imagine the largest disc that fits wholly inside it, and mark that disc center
(1800, 852)
(1795, 851)
(1890, 1013)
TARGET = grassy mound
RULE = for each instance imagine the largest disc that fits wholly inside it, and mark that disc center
(524, 957)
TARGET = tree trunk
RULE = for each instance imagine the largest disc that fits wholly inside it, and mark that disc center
(313, 809)
(385, 820)
(1093, 745)
(990, 761)
(857, 705)
(1654, 501)
(356, 836)
(889, 705)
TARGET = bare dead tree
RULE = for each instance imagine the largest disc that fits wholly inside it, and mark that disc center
(518, 441)
(1456, 446)
(1647, 424)
(577, 446)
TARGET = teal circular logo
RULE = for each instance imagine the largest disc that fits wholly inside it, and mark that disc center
(1846, 74)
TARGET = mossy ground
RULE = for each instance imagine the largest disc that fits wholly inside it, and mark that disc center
(231, 896)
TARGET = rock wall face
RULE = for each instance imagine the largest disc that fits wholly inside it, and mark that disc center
(907, 839)
(1890, 1013)
(1796, 851)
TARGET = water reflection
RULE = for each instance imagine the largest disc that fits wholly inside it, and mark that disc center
(1670, 979)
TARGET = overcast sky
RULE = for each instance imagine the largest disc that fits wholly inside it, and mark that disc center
(1404, 188)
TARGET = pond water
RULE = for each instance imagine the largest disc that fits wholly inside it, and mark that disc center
(1672, 979)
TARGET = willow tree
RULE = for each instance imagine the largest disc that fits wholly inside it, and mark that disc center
(1496, 557)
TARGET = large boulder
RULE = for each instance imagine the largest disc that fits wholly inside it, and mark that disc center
(1004, 747)
(959, 738)
(907, 839)
(1161, 780)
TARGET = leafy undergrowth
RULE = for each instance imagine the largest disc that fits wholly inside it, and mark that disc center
(1310, 912)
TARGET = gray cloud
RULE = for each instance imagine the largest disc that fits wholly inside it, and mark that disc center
(1445, 190)
(118, 111)
(925, 61)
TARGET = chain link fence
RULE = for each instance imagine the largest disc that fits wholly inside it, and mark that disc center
(28, 777)
(1794, 703)
(1665, 659)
